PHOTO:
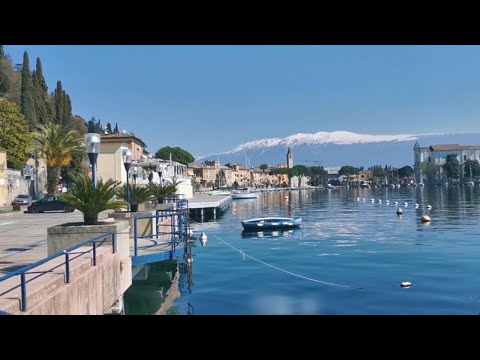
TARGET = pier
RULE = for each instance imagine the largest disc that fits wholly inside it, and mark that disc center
(203, 205)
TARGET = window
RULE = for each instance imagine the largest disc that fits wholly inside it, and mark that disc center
(464, 157)
(429, 159)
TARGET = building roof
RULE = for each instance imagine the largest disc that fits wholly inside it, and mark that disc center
(119, 137)
(453, 147)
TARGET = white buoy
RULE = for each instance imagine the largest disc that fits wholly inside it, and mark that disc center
(405, 204)
(396, 202)
(363, 199)
(358, 199)
(416, 205)
(372, 200)
(426, 219)
(429, 206)
(406, 284)
(399, 211)
(203, 239)
(379, 201)
(387, 202)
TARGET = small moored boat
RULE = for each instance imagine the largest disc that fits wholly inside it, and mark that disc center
(271, 223)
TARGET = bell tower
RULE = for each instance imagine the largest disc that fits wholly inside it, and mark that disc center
(289, 159)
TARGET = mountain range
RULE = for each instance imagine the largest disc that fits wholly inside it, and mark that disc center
(337, 148)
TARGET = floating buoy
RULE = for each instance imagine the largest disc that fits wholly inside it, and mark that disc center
(379, 201)
(429, 206)
(358, 199)
(399, 211)
(363, 199)
(387, 202)
(372, 200)
(396, 202)
(406, 284)
(203, 239)
(190, 232)
(405, 204)
(425, 219)
(416, 206)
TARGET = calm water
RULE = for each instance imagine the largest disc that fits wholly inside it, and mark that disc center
(364, 247)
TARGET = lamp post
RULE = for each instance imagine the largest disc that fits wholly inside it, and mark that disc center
(92, 142)
(135, 174)
(127, 162)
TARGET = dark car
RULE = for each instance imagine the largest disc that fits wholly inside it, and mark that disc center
(49, 203)
(22, 199)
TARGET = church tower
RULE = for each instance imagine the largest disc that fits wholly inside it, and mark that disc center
(289, 159)
(417, 161)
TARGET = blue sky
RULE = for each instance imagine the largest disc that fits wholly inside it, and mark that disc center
(209, 99)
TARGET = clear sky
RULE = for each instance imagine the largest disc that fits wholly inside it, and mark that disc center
(209, 99)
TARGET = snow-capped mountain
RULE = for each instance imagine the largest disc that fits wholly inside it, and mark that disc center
(337, 148)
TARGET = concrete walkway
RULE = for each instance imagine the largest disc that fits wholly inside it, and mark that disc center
(23, 237)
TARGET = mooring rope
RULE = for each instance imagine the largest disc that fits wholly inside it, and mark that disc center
(277, 268)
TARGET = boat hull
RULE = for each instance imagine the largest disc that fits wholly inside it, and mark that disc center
(271, 224)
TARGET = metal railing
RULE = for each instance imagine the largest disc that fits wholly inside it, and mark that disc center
(66, 253)
(177, 229)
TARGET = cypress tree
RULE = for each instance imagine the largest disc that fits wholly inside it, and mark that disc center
(41, 88)
(27, 103)
(115, 131)
(69, 108)
(65, 116)
(2, 53)
(59, 103)
(109, 128)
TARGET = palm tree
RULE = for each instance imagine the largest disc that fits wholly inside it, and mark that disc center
(138, 195)
(59, 144)
(160, 192)
(92, 200)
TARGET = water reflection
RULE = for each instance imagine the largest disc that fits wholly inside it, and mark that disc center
(274, 233)
(156, 287)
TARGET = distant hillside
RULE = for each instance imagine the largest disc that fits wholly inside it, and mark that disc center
(338, 148)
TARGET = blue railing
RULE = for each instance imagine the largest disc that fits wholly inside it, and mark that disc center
(177, 233)
(26, 269)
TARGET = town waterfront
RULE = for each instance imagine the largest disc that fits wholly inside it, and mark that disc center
(349, 257)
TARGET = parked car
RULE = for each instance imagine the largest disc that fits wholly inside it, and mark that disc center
(22, 199)
(49, 203)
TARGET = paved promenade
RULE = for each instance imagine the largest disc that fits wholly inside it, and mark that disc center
(23, 237)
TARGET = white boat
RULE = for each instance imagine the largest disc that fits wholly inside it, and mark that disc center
(219, 193)
(236, 194)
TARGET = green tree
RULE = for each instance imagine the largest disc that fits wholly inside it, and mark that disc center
(10, 80)
(42, 105)
(178, 155)
(95, 126)
(429, 171)
(109, 128)
(27, 102)
(59, 144)
(451, 166)
(471, 169)
(92, 200)
(348, 170)
(15, 139)
(405, 172)
(58, 103)
(79, 125)
(264, 167)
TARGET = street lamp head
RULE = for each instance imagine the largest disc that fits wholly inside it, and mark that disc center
(92, 142)
(127, 156)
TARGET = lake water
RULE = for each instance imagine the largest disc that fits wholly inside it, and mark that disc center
(349, 257)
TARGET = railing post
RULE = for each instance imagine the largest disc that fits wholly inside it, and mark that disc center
(23, 286)
(114, 243)
(94, 253)
(67, 266)
(135, 241)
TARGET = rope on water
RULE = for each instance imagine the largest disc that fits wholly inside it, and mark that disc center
(279, 269)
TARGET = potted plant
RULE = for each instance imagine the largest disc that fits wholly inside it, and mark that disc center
(138, 195)
(92, 200)
(160, 192)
